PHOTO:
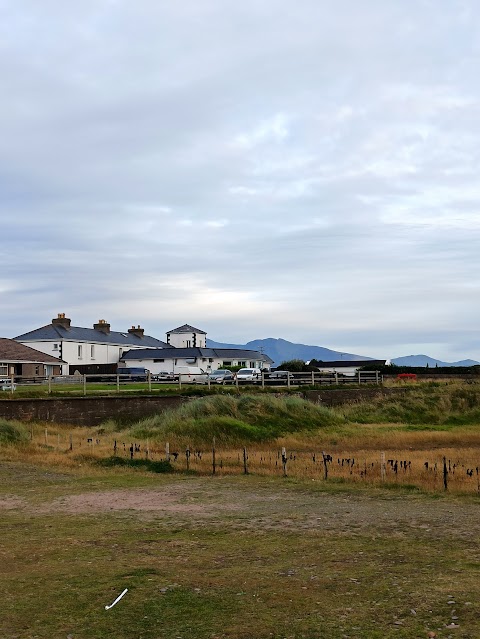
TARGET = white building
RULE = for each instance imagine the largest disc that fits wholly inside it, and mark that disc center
(87, 350)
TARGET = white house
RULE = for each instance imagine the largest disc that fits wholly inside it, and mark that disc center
(187, 336)
(87, 350)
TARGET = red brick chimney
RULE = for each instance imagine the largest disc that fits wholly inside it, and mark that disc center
(136, 331)
(102, 326)
(62, 321)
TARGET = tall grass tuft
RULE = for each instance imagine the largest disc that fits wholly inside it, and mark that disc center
(233, 419)
(12, 432)
(427, 404)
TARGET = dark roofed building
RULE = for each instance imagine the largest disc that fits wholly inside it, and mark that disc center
(88, 350)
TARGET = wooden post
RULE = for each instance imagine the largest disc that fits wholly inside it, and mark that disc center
(336, 378)
(445, 474)
(49, 384)
(115, 448)
(187, 455)
(325, 466)
(245, 469)
(118, 383)
(71, 442)
(167, 451)
(263, 381)
(148, 448)
(288, 379)
(376, 377)
(84, 384)
(382, 466)
(284, 461)
(359, 378)
(313, 378)
(213, 457)
(149, 382)
(46, 437)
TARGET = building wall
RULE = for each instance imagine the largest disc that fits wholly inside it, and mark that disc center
(69, 352)
(187, 340)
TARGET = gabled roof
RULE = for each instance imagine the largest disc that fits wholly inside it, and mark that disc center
(186, 328)
(191, 353)
(51, 333)
(12, 351)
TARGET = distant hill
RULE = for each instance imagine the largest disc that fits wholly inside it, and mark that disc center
(424, 360)
(282, 351)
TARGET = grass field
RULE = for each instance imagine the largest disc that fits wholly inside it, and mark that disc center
(239, 556)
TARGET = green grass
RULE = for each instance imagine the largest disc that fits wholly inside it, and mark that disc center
(236, 419)
(258, 570)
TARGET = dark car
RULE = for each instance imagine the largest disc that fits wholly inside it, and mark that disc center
(221, 377)
(134, 374)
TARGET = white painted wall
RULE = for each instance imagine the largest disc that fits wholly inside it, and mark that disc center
(187, 340)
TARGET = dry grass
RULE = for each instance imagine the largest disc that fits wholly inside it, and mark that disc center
(412, 457)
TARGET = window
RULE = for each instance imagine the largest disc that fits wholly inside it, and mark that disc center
(252, 364)
(158, 360)
(227, 363)
(79, 350)
(55, 347)
(3, 369)
(120, 353)
(37, 370)
(189, 343)
(242, 364)
(92, 352)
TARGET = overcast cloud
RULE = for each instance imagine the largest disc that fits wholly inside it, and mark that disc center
(306, 170)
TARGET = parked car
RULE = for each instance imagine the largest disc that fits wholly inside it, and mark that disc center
(134, 374)
(249, 375)
(221, 377)
(190, 375)
(163, 376)
(279, 375)
(7, 385)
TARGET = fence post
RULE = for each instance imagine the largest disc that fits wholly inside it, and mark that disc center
(382, 466)
(71, 442)
(325, 467)
(263, 379)
(445, 474)
(167, 451)
(118, 383)
(245, 469)
(213, 457)
(84, 384)
(49, 384)
(46, 436)
(284, 461)
(336, 378)
(149, 382)
(313, 378)
(288, 379)
(187, 455)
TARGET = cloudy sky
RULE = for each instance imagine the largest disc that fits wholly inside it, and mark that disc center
(265, 168)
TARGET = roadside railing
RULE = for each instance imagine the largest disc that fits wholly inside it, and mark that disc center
(128, 383)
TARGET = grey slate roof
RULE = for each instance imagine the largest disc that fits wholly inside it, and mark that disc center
(186, 328)
(51, 333)
(12, 351)
(191, 353)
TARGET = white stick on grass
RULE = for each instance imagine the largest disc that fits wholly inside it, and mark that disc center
(117, 599)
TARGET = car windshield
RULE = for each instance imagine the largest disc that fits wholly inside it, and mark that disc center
(218, 373)
(246, 370)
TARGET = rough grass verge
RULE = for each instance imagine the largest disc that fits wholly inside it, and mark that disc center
(233, 419)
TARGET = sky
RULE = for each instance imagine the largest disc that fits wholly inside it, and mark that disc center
(302, 170)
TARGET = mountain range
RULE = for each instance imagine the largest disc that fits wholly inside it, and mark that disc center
(280, 350)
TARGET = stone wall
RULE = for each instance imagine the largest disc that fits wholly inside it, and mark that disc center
(86, 411)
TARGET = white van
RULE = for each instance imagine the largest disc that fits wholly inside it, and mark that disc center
(249, 375)
(190, 375)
